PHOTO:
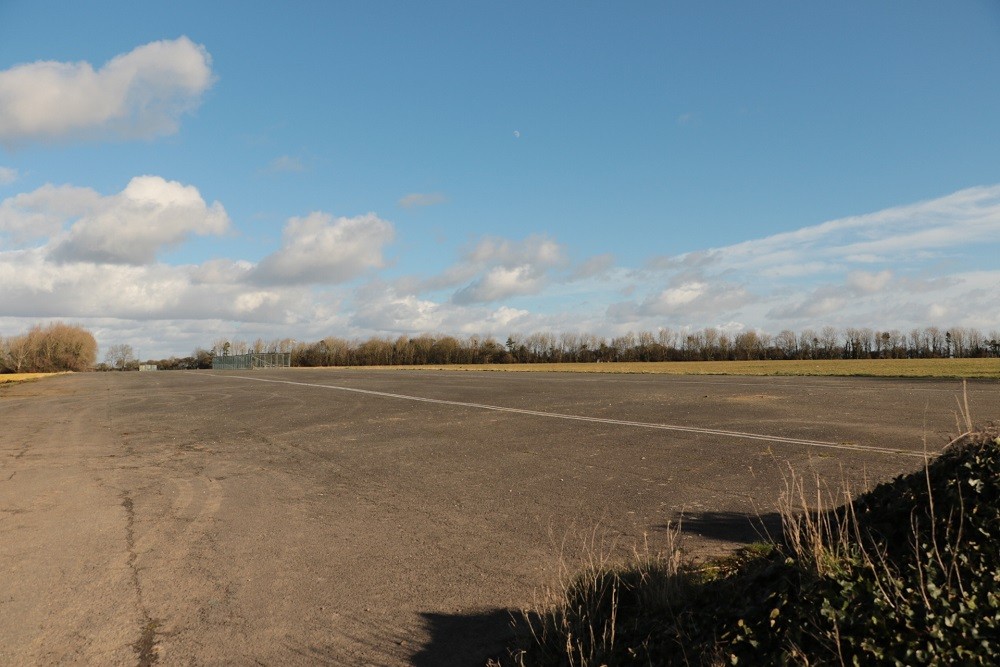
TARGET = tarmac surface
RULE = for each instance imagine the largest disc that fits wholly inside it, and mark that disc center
(393, 517)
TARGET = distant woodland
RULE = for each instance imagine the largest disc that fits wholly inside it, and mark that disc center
(709, 344)
(63, 347)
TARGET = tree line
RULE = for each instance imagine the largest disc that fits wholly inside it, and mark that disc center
(47, 349)
(64, 347)
(709, 344)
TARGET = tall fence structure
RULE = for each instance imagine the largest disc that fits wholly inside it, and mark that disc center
(239, 362)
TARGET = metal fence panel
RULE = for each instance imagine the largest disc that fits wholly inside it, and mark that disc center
(239, 362)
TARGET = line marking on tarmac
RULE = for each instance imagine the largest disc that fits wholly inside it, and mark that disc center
(598, 420)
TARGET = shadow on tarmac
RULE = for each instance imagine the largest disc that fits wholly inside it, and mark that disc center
(466, 639)
(735, 527)
(472, 639)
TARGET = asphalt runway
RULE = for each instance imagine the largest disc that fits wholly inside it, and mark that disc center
(393, 517)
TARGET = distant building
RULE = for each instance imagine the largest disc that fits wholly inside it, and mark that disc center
(148, 367)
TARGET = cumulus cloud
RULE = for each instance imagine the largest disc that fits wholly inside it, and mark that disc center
(697, 298)
(34, 286)
(381, 308)
(139, 94)
(151, 214)
(42, 213)
(66, 252)
(506, 268)
(417, 199)
(8, 175)
(501, 282)
(81, 254)
(322, 249)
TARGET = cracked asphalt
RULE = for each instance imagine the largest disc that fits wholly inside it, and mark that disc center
(201, 518)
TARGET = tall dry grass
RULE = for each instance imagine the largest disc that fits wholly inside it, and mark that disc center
(905, 573)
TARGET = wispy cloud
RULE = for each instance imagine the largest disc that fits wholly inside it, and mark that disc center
(904, 233)
(8, 175)
(418, 199)
(850, 271)
(592, 266)
(285, 164)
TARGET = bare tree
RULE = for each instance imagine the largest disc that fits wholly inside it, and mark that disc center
(119, 356)
(748, 345)
(16, 354)
(787, 343)
(828, 341)
(55, 347)
(710, 338)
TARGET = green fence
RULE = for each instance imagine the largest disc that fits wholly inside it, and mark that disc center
(236, 362)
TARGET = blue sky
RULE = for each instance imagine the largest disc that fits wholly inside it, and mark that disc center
(173, 173)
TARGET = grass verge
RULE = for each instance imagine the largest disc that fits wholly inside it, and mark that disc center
(10, 378)
(907, 573)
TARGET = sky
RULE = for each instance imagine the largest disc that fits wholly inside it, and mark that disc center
(176, 173)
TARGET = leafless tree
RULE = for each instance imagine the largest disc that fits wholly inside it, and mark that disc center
(119, 356)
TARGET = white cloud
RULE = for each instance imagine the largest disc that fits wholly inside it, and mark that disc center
(697, 299)
(8, 175)
(42, 213)
(34, 286)
(381, 308)
(821, 304)
(322, 249)
(140, 94)
(417, 199)
(804, 279)
(500, 269)
(677, 297)
(916, 231)
(535, 249)
(221, 272)
(866, 282)
(151, 214)
(501, 282)
(883, 269)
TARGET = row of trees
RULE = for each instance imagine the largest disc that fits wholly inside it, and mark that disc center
(64, 347)
(122, 357)
(665, 345)
(48, 349)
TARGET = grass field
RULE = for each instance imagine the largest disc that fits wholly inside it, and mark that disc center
(899, 368)
(21, 377)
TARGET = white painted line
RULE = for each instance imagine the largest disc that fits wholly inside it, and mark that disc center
(599, 420)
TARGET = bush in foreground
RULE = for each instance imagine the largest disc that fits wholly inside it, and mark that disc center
(906, 574)
(52, 348)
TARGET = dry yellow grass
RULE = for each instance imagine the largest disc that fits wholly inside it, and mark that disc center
(21, 377)
(904, 368)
